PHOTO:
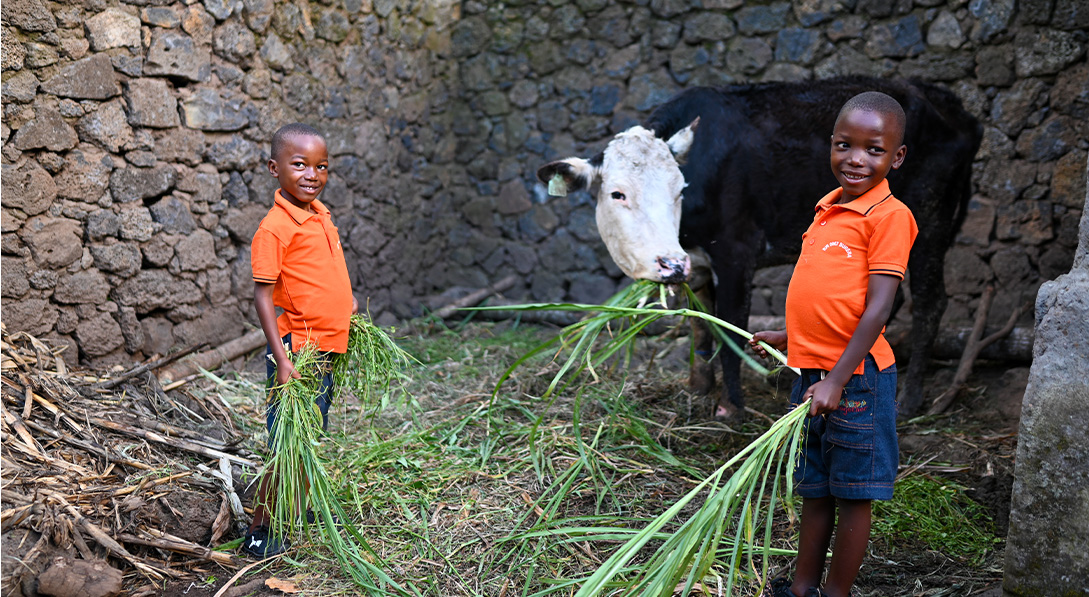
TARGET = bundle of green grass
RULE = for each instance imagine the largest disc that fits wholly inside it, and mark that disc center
(366, 369)
(725, 537)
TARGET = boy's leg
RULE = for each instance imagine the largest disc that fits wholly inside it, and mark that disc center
(818, 518)
(852, 539)
(262, 499)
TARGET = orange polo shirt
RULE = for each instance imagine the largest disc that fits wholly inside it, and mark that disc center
(300, 253)
(844, 246)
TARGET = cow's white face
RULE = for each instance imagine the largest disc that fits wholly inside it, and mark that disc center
(638, 201)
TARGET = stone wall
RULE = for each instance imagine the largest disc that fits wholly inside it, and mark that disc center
(135, 137)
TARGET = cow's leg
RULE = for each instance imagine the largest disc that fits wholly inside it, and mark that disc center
(701, 375)
(733, 290)
(928, 300)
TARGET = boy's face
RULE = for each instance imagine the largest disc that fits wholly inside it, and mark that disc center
(302, 167)
(865, 147)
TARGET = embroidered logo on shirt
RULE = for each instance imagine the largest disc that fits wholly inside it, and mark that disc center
(841, 245)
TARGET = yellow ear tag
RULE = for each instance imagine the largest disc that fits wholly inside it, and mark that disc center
(557, 186)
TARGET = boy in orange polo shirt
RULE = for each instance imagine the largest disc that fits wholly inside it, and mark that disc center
(841, 293)
(298, 266)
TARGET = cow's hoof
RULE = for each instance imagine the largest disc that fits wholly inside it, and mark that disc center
(728, 412)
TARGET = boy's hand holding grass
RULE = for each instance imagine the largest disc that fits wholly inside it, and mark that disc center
(774, 339)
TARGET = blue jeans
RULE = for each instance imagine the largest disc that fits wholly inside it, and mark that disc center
(853, 452)
(323, 400)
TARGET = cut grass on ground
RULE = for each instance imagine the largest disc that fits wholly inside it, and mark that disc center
(446, 482)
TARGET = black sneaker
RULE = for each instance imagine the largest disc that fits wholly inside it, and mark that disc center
(780, 587)
(259, 544)
(815, 592)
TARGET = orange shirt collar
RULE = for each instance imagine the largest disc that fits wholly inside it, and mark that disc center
(300, 215)
(862, 204)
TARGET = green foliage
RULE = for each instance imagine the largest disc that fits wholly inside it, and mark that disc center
(938, 514)
(371, 362)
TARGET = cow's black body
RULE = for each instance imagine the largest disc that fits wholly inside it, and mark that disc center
(760, 162)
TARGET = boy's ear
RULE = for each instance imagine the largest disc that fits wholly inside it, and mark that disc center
(273, 169)
(900, 155)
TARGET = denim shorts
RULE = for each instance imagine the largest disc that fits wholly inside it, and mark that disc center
(323, 400)
(851, 453)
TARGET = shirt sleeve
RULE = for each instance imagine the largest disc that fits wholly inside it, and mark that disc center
(266, 256)
(890, 243)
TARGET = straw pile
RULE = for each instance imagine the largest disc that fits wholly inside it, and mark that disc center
(114, 470)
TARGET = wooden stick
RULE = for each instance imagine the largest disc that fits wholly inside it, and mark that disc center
(161, 540)
(227, 585)
(115, 381)
(182, 444)
(211, 359)
(15, 422)
(475, 297)
(976, 344)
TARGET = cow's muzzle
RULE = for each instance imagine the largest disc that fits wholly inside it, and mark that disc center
(674, 270)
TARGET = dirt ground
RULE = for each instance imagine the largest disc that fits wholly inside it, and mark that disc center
(972, 444)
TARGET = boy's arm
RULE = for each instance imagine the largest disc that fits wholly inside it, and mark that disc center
(266, 313)
(879, 298)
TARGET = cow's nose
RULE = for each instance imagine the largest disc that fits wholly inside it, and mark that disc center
(674, 270)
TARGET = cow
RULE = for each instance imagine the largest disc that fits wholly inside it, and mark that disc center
(735, 173)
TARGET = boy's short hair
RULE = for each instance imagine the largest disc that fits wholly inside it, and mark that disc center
(881, 103)
(292, 131)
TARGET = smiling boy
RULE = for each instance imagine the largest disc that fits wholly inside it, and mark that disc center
(853, 258)
(298, 265)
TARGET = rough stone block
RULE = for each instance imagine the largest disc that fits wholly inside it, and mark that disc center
(1048, 521)
(762, 19)
(99, 335)
(48, 130)
(153, 289)
(28, 15)
(83, 287)
(54, 242)
(233, 41)
(177, 55)
(132, 184)
(113, 28)
(14, 283)
(158, 335)
(86, 174)
(20, 87)
(181, 145)
(107, 127)
(151, 103)
(1047, 51)
(196, 251)
(90, 78)
(992, 18)
(161, 16)
(28, 187)
(173, 215)
(123, 259)
(33, 316)
(12, 52)
(211, 110)
(136, 224)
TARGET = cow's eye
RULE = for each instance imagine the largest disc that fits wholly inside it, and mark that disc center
(618, 196)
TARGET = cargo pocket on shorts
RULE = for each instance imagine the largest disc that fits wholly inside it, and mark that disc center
(850, 435)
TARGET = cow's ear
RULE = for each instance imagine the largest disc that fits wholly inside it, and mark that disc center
(681, 141)
(575, 173)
